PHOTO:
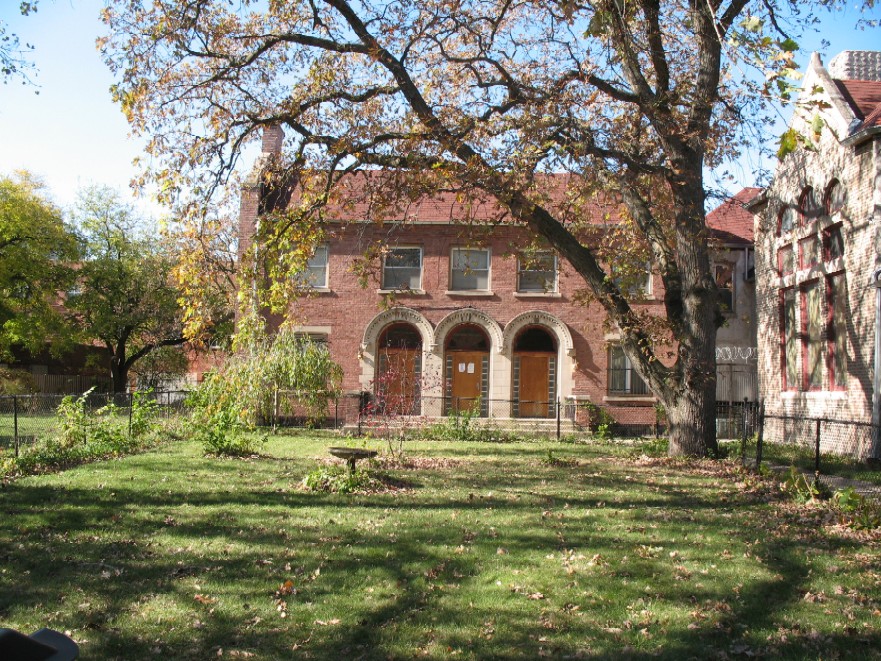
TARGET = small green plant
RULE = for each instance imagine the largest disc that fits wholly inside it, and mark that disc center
(599, 421)
(145, 412)
(801, 489)
(339, 479)
(557, 462)
(653, 447)
(857, 511)
(73, 419)
(847, 500)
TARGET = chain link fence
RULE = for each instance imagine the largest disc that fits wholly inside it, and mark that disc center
(25, 419)
(840, 453)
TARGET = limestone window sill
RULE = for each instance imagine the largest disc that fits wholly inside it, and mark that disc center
(537, 294)
(473, 293)
(401, 292)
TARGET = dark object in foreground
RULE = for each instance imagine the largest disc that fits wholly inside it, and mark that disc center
(42, 645)
(352, 455)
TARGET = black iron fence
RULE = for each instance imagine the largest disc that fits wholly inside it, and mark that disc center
(843, 451)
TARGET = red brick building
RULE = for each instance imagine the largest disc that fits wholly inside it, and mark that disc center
(457, 317)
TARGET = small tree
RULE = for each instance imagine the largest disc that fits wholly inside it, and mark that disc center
(125, 296)
(241, 393)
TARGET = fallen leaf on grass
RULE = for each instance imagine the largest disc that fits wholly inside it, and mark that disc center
(327, 623)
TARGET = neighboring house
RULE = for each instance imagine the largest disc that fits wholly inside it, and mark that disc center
(733, 264)
(817, 260)
(455, 320)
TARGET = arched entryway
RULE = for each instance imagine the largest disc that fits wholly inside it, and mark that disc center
(466, 370)
(398, 382)
(534, 378)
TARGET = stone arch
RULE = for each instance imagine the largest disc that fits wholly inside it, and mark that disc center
(468, 316)
(398, 314)
(538, 318)
(565, 345)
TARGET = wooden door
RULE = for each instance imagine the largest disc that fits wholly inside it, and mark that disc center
(466, 379)
(399, 380)
(534, 385)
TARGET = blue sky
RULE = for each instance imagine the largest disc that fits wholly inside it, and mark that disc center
(72, 135)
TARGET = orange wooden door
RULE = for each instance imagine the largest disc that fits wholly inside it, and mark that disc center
(534, 387)
(399, 380)
(466, 379)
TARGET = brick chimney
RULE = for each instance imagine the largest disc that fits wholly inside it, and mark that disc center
(273, 137)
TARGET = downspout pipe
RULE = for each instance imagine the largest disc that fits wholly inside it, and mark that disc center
(876, 395)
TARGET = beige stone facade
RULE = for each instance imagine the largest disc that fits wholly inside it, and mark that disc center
(817, 260)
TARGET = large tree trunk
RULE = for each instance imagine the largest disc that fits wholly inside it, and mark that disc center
(691, 421)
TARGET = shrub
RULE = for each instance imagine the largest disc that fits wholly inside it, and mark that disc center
(599, 421)
(802, 490)
(339, 479)
(463, 426)
(230, 403)
(82, 435)
(16, 382)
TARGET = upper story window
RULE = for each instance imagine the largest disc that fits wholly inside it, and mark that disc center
(633, 283)
(314, 275)
(537, 273)
(623, 379)
(786, 220)
(469, 269)
(785, 260)
(724, 275)
(808, 253)
(835, 199)
(809, 206)
(402, 268)
(833, 243)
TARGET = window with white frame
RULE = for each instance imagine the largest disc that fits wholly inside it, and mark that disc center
(314, 276)
(402, 268)
(469, 269)
(623, 378)
(537, 273)
(633, 282)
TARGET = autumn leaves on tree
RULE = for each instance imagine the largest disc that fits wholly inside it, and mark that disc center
(633, 100)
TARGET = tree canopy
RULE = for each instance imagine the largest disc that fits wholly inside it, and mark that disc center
(633, 100)
(36, 252)
(125, 297)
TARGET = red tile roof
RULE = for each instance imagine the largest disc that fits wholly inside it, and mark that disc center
(363, 196)
(730, 222)
(864, 96)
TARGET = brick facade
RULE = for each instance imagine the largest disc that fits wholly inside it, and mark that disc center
(352, 319)
(817, 302)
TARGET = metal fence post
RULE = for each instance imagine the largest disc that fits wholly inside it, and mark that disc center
(131, 407)
(743, 434)
(558, 419)
(761, 434)
(15, 423)
(817, 449)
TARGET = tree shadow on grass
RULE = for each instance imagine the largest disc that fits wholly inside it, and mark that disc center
(110, 563)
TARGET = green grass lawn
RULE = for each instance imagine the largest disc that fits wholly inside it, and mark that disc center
(480, 551)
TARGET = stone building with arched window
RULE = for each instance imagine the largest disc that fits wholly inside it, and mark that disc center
(818, 260)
